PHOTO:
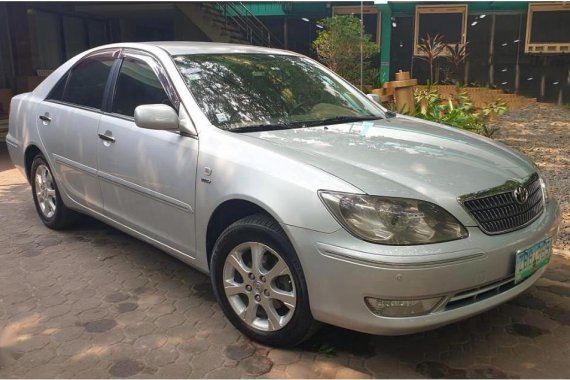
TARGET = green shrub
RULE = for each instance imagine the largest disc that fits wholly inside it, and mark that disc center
(458, 112)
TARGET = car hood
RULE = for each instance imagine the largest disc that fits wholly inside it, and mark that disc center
(404, 157)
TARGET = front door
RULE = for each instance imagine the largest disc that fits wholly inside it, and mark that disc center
(147, 177)
(68, 121)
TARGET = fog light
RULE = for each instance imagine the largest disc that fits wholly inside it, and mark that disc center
(401, 308)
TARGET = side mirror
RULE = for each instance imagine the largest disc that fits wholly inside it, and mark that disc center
(156, 116)
(374, 97)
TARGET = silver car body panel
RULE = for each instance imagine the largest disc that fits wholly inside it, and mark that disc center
(76, 164)
(164, 186)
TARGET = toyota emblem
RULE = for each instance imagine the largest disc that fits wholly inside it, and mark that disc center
(521, 195)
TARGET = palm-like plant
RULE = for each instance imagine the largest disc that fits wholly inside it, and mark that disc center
(430, 49)
(456, 55)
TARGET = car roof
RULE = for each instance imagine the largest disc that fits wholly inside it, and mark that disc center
(191, 47)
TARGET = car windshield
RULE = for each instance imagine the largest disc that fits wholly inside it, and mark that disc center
(245, 92)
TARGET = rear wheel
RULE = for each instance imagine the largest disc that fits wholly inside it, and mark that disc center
(259, 282)
(53, 213)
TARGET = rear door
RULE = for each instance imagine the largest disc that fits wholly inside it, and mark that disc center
(68, 121)
(147, 176)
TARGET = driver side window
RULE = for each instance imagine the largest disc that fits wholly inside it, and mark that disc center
(137, 84)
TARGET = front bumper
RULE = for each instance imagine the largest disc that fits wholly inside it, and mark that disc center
(341, 270)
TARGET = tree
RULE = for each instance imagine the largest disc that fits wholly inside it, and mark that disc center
(338, 46)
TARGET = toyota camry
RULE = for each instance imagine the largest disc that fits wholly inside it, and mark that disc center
(305, 200)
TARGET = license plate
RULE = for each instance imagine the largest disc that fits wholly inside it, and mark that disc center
(532, 259)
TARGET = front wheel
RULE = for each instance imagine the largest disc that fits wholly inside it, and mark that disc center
(259, 283)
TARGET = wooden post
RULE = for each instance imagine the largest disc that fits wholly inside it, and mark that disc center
(403, 91)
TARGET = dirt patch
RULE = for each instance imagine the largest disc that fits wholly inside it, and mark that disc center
(542, 132)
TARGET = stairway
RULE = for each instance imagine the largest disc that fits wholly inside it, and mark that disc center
(229, 22)
(206, 17)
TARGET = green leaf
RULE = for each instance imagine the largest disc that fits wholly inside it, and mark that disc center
(338, 46)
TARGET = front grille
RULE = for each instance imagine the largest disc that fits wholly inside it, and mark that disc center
(500, 212)
(480, 293)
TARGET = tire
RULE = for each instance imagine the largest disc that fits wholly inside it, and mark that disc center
(283, 286)
(49, 205)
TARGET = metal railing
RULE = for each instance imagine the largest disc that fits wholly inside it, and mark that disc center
(253, 29)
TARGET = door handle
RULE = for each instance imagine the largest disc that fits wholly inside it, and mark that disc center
(106, 136)
(45, 118)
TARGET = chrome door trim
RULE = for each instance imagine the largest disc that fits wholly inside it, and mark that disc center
(75, 165)
(146, 192)
(126, 184)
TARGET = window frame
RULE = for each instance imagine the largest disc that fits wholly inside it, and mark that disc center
(544, 47)
(439, 9)
(156, 67)
(112, 53)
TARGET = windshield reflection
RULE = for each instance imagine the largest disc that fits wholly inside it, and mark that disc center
(259, 91)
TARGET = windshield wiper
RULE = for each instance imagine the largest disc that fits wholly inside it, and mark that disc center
(264, 127)
(302, 124)
(339, 119)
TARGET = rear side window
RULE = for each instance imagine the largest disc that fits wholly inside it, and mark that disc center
(87, 80)
(57, 92)
(137, 84)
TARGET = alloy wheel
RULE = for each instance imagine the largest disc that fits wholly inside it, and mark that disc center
(45, 191)
(259, 286)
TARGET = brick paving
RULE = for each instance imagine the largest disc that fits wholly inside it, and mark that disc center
(92, 302)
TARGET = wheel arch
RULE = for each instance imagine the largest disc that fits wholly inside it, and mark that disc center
(31, 151)
(228, 212)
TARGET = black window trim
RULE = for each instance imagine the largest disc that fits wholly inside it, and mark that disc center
(162, 76)
(64, 78)
(106, 105)
(113, 53)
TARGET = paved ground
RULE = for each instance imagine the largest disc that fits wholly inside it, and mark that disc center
(542, 131)
(93, 302)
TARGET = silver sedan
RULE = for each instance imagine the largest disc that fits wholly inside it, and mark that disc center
(305, 200)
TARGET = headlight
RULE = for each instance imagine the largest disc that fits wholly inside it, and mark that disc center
(545, 189)
(392, 221)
